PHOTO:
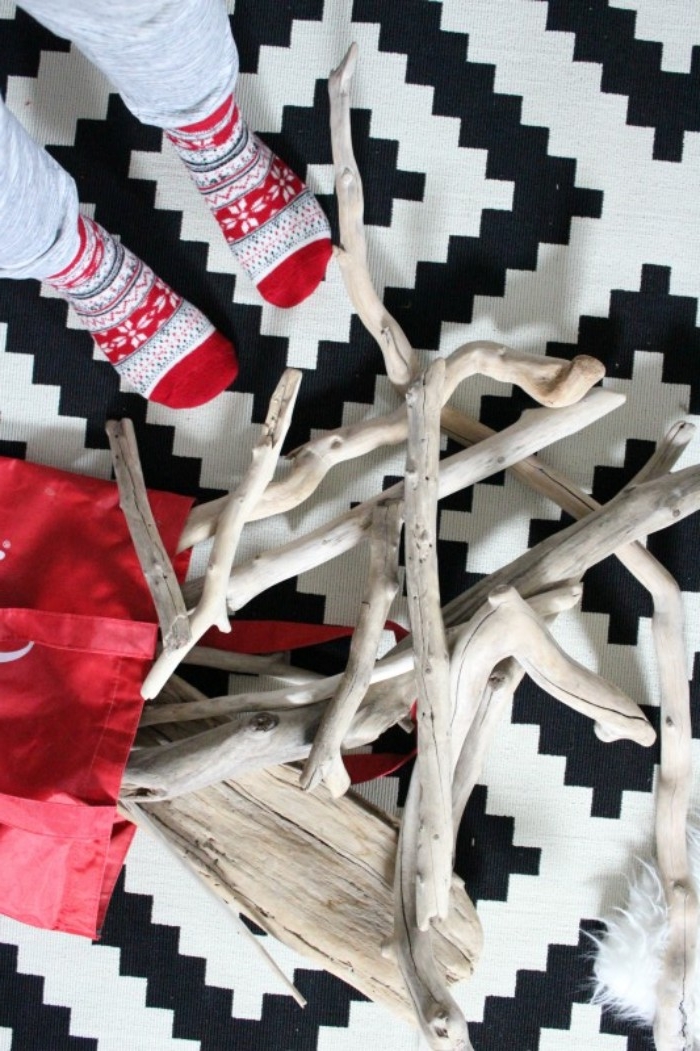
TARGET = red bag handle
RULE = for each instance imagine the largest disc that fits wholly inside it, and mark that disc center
(75, 631)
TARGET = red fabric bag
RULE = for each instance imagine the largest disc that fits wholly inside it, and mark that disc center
(77, 635)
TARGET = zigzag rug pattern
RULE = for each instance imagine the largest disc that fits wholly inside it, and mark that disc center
(531, 172)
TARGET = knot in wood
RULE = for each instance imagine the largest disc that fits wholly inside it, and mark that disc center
(263, 722)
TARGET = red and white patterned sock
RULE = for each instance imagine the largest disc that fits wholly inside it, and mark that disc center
(271, 220)
(163, 346)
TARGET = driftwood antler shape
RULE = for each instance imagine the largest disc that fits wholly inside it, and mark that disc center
(208, 770)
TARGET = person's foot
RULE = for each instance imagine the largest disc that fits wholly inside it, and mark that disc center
(271, 220)
(163, 346)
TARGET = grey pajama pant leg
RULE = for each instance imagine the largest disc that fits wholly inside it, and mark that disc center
(172, 61)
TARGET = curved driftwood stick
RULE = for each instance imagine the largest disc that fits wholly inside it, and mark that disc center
(325, 762)
(497, 695)
(153, 558)
(211, 609)
(507, 627)
(433, 864)
(298, 695)
(535, 429)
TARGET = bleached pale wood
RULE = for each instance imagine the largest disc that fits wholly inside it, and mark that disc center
(399, 358)
(150, 550)
(554, 382)
(441, 1020)
(506, 626)
(295, 695)
(273, 665)
(382, 585)
(255, 739)
(316, 873)
(673, 1022)
(177, 850)
(433, 839)
(251, 740)
(211, 609)
(495, 699)
(673, 786)
(535, 429)
(668, 451)
(636, 511)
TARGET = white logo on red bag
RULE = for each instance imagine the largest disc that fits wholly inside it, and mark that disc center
(12, 655)
(15, 655)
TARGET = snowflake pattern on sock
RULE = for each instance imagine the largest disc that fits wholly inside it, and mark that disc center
(157, 341)
(269, 217)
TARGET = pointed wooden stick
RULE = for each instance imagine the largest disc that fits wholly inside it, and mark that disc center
(211, 608)
(150, 550)
(382, 585)
(400, 360)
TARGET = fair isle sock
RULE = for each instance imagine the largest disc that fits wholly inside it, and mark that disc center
(270, 219)
(163, 346)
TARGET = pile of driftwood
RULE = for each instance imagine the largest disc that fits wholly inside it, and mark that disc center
(252, 788)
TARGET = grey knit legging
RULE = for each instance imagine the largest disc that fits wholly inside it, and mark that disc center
(172, 61)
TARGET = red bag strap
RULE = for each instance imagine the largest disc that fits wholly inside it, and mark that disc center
(73, 631)
(63, 820)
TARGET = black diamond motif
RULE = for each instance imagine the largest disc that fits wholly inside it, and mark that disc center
(669, 102)
(34, 1024)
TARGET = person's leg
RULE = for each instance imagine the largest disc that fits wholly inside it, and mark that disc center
(163, 346)
(38, 206)
(175, 64)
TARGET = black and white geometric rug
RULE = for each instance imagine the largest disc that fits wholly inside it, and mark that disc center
(531, 173)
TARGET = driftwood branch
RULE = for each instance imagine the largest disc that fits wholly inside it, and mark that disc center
(285, 737)
(153, 558)
(324, 762)
(535, 429)
(439, 1017)
(211, 609)
(433, 864)
(274, 665)
(399, 358)
(294, 849)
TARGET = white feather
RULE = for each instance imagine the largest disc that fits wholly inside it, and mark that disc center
(628, 954)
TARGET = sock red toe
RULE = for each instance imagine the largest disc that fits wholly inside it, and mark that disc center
(296, 278)
(198, 377)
